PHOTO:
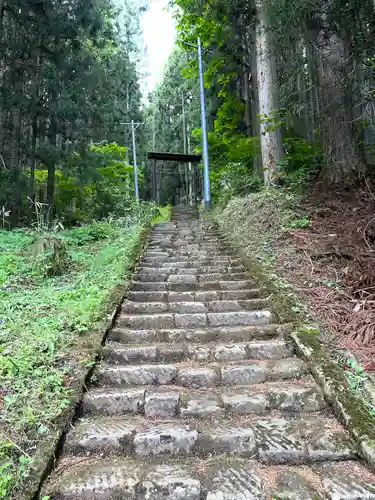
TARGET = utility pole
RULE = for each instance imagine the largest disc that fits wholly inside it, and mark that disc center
(191, 180)
(134, 127)
(154, 173)
(184, 123)
(185, 146)
(206, 164)
(136, 187)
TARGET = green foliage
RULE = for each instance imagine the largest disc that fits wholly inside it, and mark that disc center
(230, 114)
(163, 214)
(301, 163)
(357, 377)
(77, 82)
(302, 160)
(232, 168)
(12, 472)
(50, 256)
(91, 183)
(309, 330)
(90, 233)
(299, 223)
(12, 257)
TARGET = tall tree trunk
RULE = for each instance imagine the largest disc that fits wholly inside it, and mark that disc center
(266, 78)
(34, 125)
(313, 89)
(342, 159)
(254, 96)
(2, 9)
(52, 138)
(302, 100)
(34, 135)
(246, 97)
(2, 113)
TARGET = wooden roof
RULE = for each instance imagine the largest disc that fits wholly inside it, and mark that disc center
(175, 157)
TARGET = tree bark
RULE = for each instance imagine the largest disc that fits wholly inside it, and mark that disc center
(266, 78)
(52, 136)
(2, 128)
(254, 97)
(34, 125)
(342, 158)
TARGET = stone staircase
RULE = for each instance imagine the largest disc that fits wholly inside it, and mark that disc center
(200, 396)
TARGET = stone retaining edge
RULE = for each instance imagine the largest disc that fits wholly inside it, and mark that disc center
(45, 459)
(349, 409)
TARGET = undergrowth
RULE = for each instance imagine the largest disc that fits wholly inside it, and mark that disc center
(46, 323)
(357, 378)
(261, 218)
(257, 222)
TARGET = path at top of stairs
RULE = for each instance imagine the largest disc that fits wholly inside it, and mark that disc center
(200, 395)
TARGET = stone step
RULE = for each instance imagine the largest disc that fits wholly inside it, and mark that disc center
(181, 284)
(191, 270)
(165, 353)
(194, 320)
(209, 479)
(190, 307)
(187, 226)
(184, 280)
(181, 234)
(185, 232)
(201, 335)
(193, 264)
(178, 244)
(194, 296)
(196, 375)
(163, 402)
(183, 261)
(185, 253)
(302, 440)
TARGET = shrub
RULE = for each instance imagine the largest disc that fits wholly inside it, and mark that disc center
(301, 163)
(51, 257)
(89, 233)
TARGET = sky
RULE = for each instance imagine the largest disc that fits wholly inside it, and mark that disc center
(159, 33)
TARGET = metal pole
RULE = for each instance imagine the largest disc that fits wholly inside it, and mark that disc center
(184, 123)
(153, 182)
(206, 164)
(154, 174)
(185, 148)
(191, 180)
(158, 171)
(136, 188)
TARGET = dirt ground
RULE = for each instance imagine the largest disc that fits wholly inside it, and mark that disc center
(333, 266)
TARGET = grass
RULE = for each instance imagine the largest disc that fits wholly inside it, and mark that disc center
(45, 332)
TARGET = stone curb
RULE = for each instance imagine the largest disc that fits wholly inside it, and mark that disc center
(44, 460)
(349, 409)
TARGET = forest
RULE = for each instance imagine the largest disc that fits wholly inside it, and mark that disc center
(68, 80)
(289, 91)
